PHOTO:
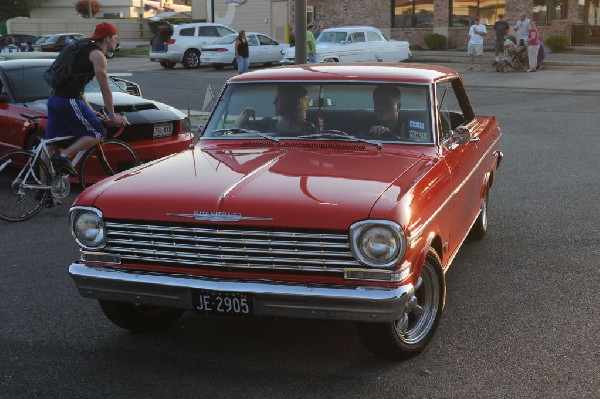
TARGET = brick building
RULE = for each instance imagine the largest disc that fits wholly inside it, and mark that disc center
(412, 20)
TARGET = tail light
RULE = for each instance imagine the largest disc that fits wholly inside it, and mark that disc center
(171, 41)
(221, 50)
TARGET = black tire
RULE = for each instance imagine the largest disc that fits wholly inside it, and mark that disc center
(167, 64)
(191, 59)
(218, 67)
(118, 156)
(140, 318)
(480, 227)
(410, 334)
(20, 199)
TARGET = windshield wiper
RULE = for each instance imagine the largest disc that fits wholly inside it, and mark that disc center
(237, 130)
(338, 134)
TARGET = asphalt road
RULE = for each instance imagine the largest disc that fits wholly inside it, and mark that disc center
(521, 319)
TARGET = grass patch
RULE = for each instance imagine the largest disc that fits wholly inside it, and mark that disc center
(140, 50)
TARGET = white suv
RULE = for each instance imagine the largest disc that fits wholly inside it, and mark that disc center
(172, 44)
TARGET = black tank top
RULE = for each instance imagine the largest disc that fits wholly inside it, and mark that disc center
(85, 70)
(243, 50)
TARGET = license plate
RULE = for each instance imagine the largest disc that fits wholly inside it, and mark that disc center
(224, 303)
(163, 130)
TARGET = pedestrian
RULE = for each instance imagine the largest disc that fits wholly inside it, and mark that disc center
(311, 44)
(477, 32)
(501, 27)
(533, 47)
(30, 46)
(242, 52)
(69, 112)
(319, 29)
(10, 46)
(292, 37)
(522, 28)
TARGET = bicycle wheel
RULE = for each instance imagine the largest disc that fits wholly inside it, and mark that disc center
(106, 159)
(23, 188)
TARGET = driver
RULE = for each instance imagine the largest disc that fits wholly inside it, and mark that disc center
(386, 106)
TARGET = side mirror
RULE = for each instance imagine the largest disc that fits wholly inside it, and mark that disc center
(461, 135)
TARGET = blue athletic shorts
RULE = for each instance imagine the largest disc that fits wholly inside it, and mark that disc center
(72, 117)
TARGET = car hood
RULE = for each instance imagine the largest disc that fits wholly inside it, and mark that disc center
(137, 110)
(292, 187)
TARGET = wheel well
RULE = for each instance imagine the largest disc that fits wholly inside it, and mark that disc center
(436, 244)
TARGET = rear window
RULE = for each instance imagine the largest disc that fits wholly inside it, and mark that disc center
(27, 83)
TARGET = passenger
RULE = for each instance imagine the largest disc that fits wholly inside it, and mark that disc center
(291, 104)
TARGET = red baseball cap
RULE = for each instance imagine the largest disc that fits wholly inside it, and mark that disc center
(103, 29)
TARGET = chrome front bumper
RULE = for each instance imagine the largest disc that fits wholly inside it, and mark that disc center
(369, 304)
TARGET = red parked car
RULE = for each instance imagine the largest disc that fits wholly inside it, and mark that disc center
(336, 218)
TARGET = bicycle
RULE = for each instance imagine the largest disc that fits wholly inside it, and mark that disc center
(27, 183)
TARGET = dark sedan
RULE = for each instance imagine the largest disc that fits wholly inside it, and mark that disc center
(156, 129)
(59, 41)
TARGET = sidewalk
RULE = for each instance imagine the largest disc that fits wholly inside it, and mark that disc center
(588, 56)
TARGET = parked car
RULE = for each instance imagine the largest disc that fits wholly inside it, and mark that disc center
(354, 44)
(263, 50)
(20, 40)
(174, 44)
(155, 131)
(37, 43)
(325, 222)
(59, 41)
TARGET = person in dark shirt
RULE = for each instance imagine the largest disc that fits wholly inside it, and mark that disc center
(69, 112)
(242, 52)
(386, 107)
(501, 27)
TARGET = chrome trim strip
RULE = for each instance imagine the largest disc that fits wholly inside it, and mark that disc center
(363, 303)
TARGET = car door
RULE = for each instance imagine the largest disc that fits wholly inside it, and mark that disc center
(356, 48)
(269, 49)
(453, 110)
(380, 47)
(254, 49)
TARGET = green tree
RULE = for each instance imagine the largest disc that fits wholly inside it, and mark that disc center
(16, 8)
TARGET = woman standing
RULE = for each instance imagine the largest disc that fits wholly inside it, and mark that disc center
(534, 47)
(242, 52)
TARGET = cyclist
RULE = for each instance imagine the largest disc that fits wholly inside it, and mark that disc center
(69, 112)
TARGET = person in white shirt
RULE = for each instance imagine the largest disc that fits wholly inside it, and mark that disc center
(522, 29)
(10, 46)
(477, 32)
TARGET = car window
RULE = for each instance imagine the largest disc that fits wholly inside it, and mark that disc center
(266, 41)
(52, 39)
(252, 40)
(228, 39)
(331, 37)
(251, 110)
(187, 32)
(28, 83)
(210, 31)
(373, 37)
(94, 87)
(450, 113)
(357, 37)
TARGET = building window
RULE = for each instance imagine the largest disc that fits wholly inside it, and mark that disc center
(412, 13)
(463, 11)
(545, 11)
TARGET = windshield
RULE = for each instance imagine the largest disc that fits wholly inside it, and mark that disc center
(385, 112)
(226, 39)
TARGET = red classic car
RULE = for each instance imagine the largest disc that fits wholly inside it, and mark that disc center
(333, 215)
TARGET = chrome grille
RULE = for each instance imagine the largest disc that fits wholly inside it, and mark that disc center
(199, 247)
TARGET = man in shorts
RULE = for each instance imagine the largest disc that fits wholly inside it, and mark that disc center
(69, 112)
(501, 27)
(477, 32)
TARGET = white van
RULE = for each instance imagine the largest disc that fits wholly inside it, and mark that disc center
(173, 44)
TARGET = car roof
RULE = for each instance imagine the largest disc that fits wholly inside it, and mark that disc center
(14, 64)
(346, 72)
(351, 27)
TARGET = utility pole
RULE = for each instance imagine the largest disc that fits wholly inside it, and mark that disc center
(300, 32)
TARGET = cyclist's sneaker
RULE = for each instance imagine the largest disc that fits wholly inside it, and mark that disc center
(51, 202)
(62, 164)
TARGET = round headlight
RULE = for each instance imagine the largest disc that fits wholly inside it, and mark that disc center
(377, 243)
(88, 229)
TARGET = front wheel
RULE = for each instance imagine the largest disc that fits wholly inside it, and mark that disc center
(140, 318)
(106, 159)
(23, 189)
(410, 334)
(480, 227)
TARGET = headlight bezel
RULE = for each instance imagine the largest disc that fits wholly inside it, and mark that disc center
(75, 215)
(357, 236)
